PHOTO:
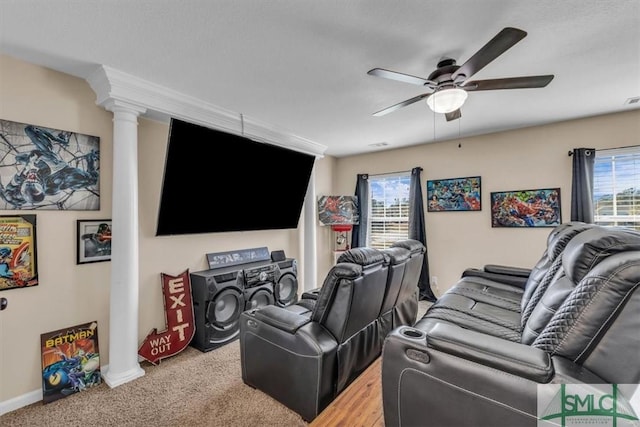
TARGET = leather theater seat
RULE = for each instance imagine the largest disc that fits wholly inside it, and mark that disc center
(575, 321)
(303, 358)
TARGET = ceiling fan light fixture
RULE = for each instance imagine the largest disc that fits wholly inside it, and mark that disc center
(447, 100)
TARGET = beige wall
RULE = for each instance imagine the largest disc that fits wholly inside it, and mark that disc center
(69, 294)
(522, 159)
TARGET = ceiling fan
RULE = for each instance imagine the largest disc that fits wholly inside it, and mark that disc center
(449, 83)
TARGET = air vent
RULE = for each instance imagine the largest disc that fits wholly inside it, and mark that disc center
(632, 101)
(379, 144)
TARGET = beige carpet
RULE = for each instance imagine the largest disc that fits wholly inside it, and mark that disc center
(190, 389)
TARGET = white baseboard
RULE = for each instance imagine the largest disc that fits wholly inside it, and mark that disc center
(25, 400)
(20, 401)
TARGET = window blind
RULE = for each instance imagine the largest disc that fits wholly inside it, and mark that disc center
(616, 187)
(389, 209)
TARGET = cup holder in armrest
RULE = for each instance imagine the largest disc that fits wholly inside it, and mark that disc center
(413, 333)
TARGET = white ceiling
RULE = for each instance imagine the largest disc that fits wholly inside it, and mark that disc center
(301, 65)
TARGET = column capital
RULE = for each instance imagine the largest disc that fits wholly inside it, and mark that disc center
(119, 106)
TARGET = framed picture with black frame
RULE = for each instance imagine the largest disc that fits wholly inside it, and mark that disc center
(454, 194)
(526, 208)
(94, 240)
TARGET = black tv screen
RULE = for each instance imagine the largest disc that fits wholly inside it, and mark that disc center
(215, 181)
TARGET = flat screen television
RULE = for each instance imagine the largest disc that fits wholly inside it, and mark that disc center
(215, 181)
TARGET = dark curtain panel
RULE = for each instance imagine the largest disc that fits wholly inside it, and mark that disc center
(417, 230)
(582, 185)
(359, 234)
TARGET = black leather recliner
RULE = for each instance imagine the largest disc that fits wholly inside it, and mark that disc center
(490, 353)
(400, 302)
(406, 307)
(303, 358)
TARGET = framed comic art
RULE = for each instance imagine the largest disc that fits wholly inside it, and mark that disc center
(48, 169)
(94, 240)
(18, 267)
(526, 208)
(454, 194)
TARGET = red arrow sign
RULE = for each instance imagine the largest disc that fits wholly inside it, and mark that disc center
(178, 307)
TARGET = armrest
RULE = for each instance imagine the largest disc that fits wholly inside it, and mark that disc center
(515, 358)
(280, 318)
(311, 294)
(508, 270)
(516, 281)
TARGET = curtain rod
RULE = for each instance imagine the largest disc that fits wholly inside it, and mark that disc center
(611, 148)
(390, 173)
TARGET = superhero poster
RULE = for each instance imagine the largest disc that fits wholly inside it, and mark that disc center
(48, 169)
(526, 208)
(94, 240)
(18, 251)
(70, 361)
(338, 210)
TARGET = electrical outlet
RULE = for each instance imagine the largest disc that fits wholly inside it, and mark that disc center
(434, 280)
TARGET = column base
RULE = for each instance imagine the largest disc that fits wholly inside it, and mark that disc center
(114, 380)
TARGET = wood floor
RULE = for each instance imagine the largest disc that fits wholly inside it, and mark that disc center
(359, 405)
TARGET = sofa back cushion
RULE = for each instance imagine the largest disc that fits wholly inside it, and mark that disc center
(556, 243)
(603, 265)
(398, 259)
(582, 253)
(352, 293)
(411, 277)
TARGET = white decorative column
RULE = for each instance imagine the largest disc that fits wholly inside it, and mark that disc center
(128, 97)
(123, 330)
(310, 259)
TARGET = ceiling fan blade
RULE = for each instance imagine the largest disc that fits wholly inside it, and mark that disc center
(490, 51)
(453, 115)
(401, 77)
(400, 105)
(509, 83)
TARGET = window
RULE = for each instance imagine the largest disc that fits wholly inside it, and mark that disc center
(388, 209)
(616, 187)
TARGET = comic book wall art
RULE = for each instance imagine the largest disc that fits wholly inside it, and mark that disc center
(70, 361)
(48, 169)
(526, 208)
(454, 194)
(338, 210)
(18, 251)
(94, 240)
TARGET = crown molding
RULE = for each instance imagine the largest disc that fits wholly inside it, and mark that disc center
(155, 101)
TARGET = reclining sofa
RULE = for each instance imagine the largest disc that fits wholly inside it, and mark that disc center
(486, 351)
(305, 354)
